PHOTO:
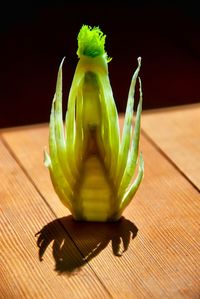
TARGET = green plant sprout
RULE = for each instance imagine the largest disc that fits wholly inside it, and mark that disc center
(91, 167)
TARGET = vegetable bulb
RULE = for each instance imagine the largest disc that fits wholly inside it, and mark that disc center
(93, 170)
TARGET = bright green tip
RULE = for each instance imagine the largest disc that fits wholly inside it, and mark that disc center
(91, 42)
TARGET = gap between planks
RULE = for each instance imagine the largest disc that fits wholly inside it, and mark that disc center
(167, 157)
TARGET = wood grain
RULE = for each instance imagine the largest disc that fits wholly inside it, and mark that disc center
(177, 133)
(22, 275)
(162, 261)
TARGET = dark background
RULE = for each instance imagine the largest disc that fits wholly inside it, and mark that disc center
(35, 36)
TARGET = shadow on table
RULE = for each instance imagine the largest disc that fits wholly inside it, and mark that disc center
(74, 243)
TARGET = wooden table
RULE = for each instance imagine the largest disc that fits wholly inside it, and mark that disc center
(160, 231)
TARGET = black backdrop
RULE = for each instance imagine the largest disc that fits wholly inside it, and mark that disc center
(35, 36)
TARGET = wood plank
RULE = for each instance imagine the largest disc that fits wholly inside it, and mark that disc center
(22, 275)
(177, 133)
(163, 259)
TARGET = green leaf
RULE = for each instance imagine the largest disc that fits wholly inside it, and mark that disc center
(113, 123)
(134, 187)
(127, 129)
(61, 185)
(133, 153)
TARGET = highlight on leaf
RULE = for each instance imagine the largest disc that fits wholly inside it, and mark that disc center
(91, 169)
